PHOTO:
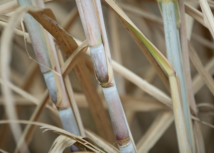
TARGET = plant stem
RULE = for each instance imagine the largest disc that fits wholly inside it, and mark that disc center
(55, 83)
(94, 28)
(182, 136)
(199, 148)
(175, 58)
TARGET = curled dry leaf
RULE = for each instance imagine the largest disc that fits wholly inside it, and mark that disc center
(101, 143)
(46, 127)
(60, 143)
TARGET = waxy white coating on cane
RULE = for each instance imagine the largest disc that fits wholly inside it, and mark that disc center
(117, 118)
(99, 61)
(69, 124)
(68, 121)
(51, 85)
(127, 149)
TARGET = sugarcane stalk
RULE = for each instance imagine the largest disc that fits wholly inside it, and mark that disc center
(175, 58)
(54, 81)
(66, 114)
(92, 21)
(184, 31)
(181, 131)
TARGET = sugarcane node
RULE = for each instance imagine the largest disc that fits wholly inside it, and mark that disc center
(60, 106)
(107, 85)
(125, 142)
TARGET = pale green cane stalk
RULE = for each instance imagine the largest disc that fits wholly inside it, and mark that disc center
(175, 58)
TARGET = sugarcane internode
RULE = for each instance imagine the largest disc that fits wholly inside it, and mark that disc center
(50, 82)
(99, 61)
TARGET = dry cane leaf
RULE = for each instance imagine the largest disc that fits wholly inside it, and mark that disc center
(138, 37)
(47, 127)
(5, 61)
(102, 143)
(11, 6)
(73, 59)
(194, 13)
(206, 105)
(47, 19)
(60, 143)
(155, 131)
(201, 70)
(207, 15)
(153, 54)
